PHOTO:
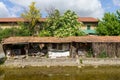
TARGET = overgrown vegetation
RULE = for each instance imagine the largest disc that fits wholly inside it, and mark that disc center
(56, 25)
(90, 53)
(109, 25)
(32, 15)
(62, 25)
(103, 54)
(2, 60)
(22, 31)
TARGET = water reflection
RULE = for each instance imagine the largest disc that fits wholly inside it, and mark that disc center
(61, 73)
(2, 75)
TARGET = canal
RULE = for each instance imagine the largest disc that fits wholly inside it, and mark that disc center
(61, 73)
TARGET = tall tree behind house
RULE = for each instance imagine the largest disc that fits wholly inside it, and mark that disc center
(32, 15)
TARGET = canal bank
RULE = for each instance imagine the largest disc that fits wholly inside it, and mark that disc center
(79, 62)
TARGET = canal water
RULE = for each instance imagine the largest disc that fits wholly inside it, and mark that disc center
(61, 73)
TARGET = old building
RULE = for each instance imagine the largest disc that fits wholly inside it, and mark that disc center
(93, 46)
(14, 22)
(89, 23)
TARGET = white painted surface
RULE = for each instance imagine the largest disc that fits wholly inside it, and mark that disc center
(55, 54)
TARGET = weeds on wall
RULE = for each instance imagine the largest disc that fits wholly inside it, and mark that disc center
(89, 54)
(2, 60)
(103, 54)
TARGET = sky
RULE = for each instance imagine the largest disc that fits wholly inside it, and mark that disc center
(83, 8)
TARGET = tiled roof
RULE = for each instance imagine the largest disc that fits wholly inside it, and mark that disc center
(87, 19)
(16, 19)
(84, 39)
(81, 19)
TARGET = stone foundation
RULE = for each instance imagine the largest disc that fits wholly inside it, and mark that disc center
(36, 61)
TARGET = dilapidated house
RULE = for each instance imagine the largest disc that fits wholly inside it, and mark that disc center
(93, 46)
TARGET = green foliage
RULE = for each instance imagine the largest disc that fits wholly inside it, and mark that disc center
(4, 33)
(103, 55)
(32, 16)
(24, 29)
(109, 25)
(27, 28)
(53, 22)
(81, 61)
(118, 15)
(70, 26)
(90, 53)
(2, 60)
(44, 33)
(63, 25)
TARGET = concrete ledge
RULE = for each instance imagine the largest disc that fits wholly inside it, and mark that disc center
(34, 61)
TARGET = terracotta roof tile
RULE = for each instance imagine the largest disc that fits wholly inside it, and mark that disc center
(84, 39)
(81, 19)
(87, 19)
(16, 19)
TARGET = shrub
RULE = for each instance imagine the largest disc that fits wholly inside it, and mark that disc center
(2, 60)
(103, 54)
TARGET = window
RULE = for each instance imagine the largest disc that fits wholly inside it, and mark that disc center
(54, 46)
(88, 27)
(59, 46)
(65, 46)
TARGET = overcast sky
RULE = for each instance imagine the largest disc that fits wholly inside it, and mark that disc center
(84, 8)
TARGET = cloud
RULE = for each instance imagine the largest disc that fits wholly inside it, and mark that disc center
(116, 2)
(89, 8)
(3, 10)
(15, 11)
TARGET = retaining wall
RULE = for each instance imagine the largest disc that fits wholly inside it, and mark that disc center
(33, 61)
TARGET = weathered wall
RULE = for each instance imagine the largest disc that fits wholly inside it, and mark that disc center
(1, 51)
(92, 26)
(61, 62)
(110, 49)
(8, 25)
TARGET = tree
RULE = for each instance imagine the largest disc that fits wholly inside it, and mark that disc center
(5, 33)
(62, 25)
(118, 15)
(69, 25)
(53, 22)
(109, 25)
(32, 16)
